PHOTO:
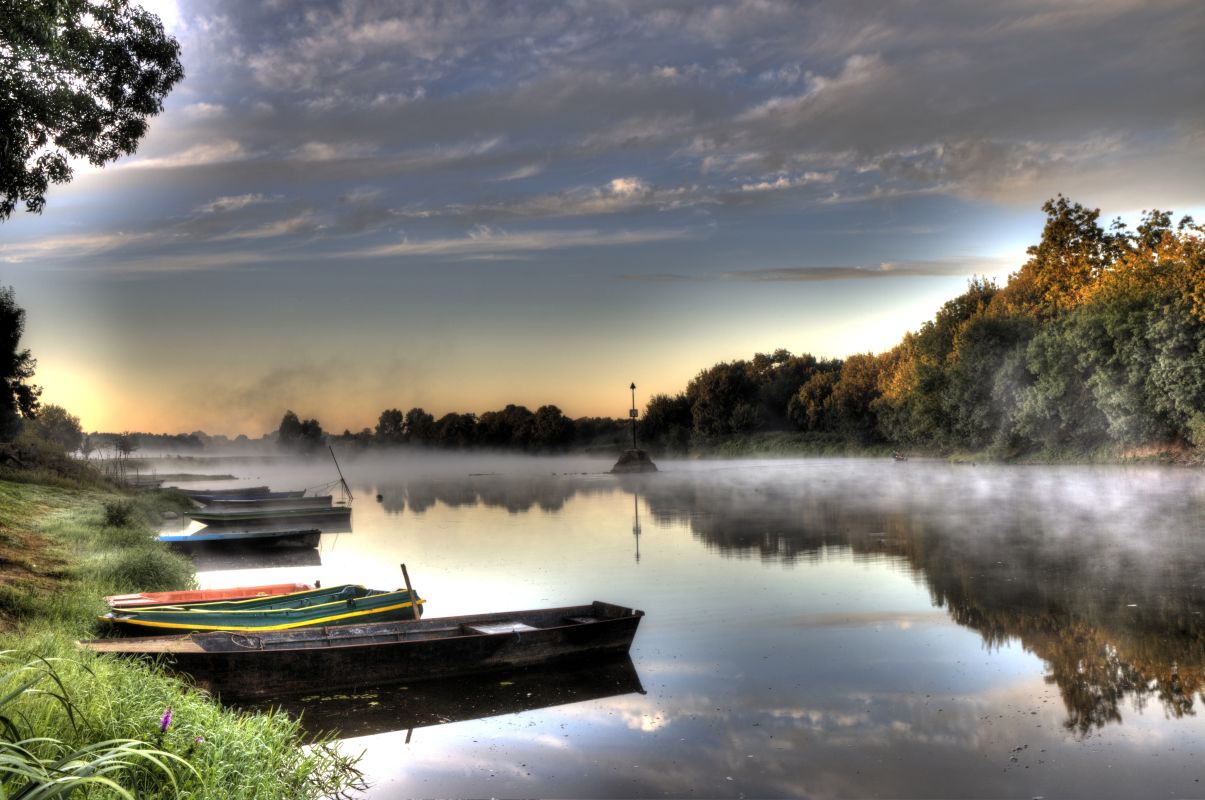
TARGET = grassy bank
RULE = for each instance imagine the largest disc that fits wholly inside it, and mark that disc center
(64, 546)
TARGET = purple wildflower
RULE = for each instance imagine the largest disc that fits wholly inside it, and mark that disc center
(199, 740)
(166, 721)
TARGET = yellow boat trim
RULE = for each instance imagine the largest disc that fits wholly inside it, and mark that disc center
(300, 624)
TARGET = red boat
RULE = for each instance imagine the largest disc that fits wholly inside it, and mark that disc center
(143, 599)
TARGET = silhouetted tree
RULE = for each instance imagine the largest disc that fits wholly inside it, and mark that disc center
(18, 398)
(419, 427)
(550, 429)
(456, 430)
(666, 422)
(297, 434)
(510, 427)
(78, 79)
(391, 426)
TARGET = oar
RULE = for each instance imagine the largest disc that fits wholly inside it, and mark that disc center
(410, 591)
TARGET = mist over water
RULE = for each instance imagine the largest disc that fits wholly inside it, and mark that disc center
(827, 627)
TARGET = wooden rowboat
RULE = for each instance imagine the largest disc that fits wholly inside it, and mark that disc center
(350, 656)
(265, 537)
(270, 515)
(143, 599)
(258, 503)
(241, 491)
(329, 606)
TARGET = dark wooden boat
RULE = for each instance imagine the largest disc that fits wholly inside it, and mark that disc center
(261, 503)
(269, 516)
(266, 537)
(341, 657)
(334, 605)
(144, 599)
(242, 491)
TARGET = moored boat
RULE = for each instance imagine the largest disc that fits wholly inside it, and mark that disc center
(241, 491)
(336, 657)
(229, 516)
(332, 606)
(144, 599)
(258, 503)
(263, 537)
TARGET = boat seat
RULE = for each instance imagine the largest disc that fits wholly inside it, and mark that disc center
(501, 627)
(581, 620)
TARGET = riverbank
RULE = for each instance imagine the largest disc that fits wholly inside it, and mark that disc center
(62, 548)
(811, 445)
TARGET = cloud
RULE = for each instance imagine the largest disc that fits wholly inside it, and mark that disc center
(196, 155)
(484, 240)
(823, 273)
(233, 203)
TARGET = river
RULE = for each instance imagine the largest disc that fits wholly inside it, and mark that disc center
(815, 627)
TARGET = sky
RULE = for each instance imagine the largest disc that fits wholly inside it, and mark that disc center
(347, 207)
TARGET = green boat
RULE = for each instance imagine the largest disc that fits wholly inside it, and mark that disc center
(335, 606)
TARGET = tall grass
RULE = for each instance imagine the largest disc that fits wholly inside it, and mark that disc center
(121, 702)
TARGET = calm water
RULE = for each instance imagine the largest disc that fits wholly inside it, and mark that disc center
(814, 628)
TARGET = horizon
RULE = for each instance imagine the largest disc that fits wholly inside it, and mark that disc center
(350, 210)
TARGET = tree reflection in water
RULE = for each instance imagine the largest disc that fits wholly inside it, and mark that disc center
(1106, 592)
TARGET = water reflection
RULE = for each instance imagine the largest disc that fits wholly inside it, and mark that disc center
(1103, 583)
(405, 708)
(212, 558)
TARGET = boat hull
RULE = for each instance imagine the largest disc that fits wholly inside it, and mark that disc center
(342, 657)
(144, 599)
(267, 503)
(228, 517)
(309, 537)
(317, 607)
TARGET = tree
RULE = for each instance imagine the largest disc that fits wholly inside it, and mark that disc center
(17, 397)
(456, 430)
(78, 79)
(1073, 253)
(53, 424)
(716, 393)
(666, 422)
(126, 443)
(551, 429)
(390, 426)
(297, 434)
(419, 427)
(510, 427)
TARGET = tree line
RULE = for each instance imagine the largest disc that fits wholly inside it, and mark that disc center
(1098, 340)
(515, 427)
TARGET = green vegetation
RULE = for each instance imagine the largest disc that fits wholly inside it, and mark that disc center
(1095, 349)
(62, 548)
(80, 80)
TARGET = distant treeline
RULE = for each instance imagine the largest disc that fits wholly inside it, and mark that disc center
(545, 430)
(1097, 341)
